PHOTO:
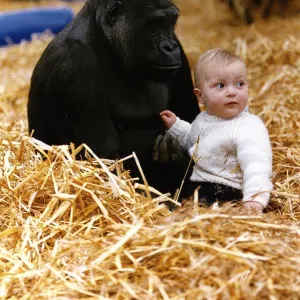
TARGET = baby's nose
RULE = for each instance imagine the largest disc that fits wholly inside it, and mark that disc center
(231, 92)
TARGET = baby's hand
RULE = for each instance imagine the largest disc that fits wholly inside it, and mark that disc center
(253, 207)
(168, 117)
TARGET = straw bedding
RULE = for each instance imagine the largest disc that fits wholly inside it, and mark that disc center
(86, 230)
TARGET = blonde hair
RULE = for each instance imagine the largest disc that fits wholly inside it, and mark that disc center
(214, 57)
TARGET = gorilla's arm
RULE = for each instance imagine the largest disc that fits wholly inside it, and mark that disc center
(67, 102)
(183, 100)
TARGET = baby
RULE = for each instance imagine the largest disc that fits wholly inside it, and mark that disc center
(233, 156)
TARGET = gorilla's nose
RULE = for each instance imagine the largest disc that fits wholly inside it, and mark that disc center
(169, 46)
(171, 52)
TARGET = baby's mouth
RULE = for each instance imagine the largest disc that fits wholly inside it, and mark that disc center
(231, 103)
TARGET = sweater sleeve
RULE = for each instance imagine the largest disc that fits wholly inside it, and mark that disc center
(255, 159)
(181, 131)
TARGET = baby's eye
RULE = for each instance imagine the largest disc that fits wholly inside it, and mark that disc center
(240, 83)
(219, 85)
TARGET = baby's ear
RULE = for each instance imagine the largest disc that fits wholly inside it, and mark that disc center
(198, 94)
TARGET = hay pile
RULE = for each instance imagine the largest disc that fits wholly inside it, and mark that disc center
(86, 230)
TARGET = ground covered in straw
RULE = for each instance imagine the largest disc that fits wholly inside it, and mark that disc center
(75, 230)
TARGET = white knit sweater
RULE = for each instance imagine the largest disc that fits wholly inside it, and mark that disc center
(235, 152)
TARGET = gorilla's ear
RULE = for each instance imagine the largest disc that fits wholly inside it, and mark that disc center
(114, 9)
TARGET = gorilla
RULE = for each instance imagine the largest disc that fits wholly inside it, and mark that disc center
(105, 78)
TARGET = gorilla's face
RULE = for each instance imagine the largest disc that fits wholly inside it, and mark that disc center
(142, 33)
(155, 48)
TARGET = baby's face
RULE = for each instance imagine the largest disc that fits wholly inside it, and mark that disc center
(224, 89)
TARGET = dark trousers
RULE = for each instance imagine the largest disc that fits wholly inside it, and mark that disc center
(211, 192)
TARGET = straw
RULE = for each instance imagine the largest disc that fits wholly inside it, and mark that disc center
(72, 229)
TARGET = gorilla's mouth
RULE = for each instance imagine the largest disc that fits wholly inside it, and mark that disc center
(167, 67)
(162, 72)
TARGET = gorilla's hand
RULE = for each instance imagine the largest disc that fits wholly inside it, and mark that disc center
(166, 149)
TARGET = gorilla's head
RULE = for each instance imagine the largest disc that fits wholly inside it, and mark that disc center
(141, 33)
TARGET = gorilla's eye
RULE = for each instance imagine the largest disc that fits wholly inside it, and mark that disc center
(113, 11)
(155, 24)
(163, 21)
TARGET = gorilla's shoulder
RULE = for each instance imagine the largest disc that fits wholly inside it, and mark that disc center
(67, 57)
(71, 48)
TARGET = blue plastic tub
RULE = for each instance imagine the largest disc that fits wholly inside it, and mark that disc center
(20, 24)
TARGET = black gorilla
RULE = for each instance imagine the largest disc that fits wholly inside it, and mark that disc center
(106, 77)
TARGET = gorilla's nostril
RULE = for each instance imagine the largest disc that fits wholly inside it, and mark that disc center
(169, 46)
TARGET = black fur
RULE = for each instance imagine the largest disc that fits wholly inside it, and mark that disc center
(106, 77)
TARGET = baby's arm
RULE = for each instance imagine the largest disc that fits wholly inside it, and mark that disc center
(255, 158)
(178, 129)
